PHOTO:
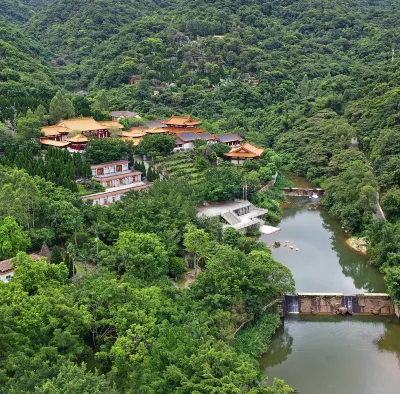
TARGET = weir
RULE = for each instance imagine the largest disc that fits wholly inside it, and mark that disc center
(302, 192)
(291, 304)
(378, 304)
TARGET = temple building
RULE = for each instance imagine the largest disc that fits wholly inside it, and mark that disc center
(64, 145)
(181, 122)
(58, 135)
(185, 140)
(247, 151)
(77, 143)
(87, 126)
(118, 180)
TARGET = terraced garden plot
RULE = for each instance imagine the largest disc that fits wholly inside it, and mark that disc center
(179, 166)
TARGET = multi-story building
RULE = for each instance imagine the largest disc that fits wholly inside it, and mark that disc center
(118, 180)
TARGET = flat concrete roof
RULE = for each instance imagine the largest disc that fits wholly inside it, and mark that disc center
(217, 208)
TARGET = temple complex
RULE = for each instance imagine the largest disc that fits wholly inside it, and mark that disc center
(72, 134)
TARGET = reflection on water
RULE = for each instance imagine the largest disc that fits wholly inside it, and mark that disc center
(324, 262)
(331, 355)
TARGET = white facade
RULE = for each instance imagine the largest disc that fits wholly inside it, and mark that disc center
(117, 179)
(184, 147)
(6, 276)
(120, 181)
(237, 160)
(111, 169)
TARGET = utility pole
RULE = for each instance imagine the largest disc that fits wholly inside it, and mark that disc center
(245, 191)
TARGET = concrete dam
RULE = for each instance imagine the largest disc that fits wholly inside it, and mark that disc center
(337, 303)
(300, 192)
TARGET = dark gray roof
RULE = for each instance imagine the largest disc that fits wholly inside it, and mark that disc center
(206, 136)
(228, 137)
(155, 123)
(122, 113)
(189, 136)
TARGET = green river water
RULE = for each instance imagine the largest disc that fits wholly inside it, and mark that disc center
(330, 354)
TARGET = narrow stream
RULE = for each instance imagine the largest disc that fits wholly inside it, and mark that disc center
(330, 354)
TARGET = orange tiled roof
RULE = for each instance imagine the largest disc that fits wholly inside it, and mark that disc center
(157, 130)
(245, 150)
(49, 131)
(111, 123)
(241, 154)
(78, 138)
(181, 121)
(133, 134)
(82, 124)
(134, 140)
(177, 130)
(57, 144)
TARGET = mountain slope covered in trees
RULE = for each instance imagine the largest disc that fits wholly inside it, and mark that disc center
(301, 77)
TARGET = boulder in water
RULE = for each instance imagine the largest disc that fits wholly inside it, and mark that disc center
(343, 310)
(276, 244)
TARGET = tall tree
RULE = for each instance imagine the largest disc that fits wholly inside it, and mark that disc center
(196, 241)
(60, 108)
(13, 238)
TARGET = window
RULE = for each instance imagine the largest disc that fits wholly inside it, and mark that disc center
(100, 171)
(119, 168)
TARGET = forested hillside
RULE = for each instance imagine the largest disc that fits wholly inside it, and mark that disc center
(302, 77)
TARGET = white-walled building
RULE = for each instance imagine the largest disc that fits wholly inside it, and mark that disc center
(118, 180)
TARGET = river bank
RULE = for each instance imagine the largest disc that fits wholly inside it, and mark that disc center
(330, 354)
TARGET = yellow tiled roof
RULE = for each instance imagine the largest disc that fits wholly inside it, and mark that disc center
(111, 123)
(58, 144)
(82, 124)
(78, 138)
(49, 131)
(181, 121)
